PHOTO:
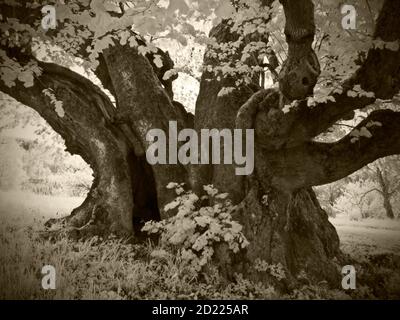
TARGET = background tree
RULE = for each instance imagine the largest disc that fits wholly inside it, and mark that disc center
(105, 115)
(384, 175)
(387, 174)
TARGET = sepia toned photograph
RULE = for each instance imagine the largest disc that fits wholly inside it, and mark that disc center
(200, 150)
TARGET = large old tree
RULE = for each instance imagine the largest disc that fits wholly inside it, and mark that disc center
(277, 207)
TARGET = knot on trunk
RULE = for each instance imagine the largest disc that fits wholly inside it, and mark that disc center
(299, 73)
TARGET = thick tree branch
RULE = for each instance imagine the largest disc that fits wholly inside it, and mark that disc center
(381, 71)
(380, 74)
(306, 122)
(32, 17)
(144, 105)
(300, 71)
(321, 163)
(80, 112)
(144, 101)
(72, 87)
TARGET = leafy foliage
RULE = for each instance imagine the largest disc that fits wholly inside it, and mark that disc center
(193, 232)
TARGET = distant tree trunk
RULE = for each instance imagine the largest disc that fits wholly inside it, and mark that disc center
(385, 193)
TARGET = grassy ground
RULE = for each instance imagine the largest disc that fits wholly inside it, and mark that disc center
(368, 236)
(113, 270)
(24, 208)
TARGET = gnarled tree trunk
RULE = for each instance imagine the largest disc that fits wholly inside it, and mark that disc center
(284, 223)
(87, 132)
(280, 214)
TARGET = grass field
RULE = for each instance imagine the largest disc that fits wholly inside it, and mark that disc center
(368, 236)
(25, 208)
(113, 270)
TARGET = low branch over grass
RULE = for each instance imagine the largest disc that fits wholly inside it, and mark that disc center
(320, 163)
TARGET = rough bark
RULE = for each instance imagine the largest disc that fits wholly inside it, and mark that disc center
(143, 105)
(287, 162)
(300, 71)
(303, 242)
(217, 112)
(88, 133)
(291, 229)
(380, 73)
(314, 163)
